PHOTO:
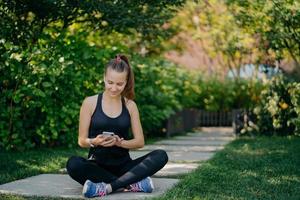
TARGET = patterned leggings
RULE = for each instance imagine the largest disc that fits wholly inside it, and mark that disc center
(81, 169)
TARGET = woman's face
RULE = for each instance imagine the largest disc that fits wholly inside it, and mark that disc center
(115, 82)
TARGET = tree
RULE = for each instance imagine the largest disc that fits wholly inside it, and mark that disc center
(275, 23)
(23, 22)
(214, 33)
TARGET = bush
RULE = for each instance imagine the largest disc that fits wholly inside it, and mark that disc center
(162, 89)
(278, 111)
(228, 94)
(43, 87)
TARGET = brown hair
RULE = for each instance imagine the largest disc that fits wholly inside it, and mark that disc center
(120, 64)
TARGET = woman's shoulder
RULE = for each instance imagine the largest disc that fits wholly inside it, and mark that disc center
(91, 98)
(90, 101)
(89, 104)
(131, 105)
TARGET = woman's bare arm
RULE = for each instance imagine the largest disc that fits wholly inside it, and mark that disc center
(136, 127)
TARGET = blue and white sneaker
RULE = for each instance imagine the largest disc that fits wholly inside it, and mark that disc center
(91, 189)
(145, 185)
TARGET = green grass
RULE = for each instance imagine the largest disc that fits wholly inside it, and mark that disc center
(248, 168)
(18, 165)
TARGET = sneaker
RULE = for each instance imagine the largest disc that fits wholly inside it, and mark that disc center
(145, 185)
(91, 189)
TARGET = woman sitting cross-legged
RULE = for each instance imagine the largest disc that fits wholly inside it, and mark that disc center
(104, 124)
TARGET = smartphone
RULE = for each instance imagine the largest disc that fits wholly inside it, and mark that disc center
(107, 133)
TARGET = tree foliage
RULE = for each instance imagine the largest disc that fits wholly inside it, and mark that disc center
(275, 23)
(215, 31)
(24, 21)
(234, 33)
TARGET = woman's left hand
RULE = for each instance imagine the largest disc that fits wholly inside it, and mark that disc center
(109, 141)
(113, 141)
(118, 140)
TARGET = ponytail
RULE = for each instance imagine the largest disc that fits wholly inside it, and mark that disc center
(129, 88)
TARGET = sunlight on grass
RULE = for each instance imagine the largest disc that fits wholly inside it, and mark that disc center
(248, 168)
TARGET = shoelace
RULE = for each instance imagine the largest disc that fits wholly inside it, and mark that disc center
(100, 190)
(135, 187)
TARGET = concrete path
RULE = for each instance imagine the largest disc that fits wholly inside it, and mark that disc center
(185, 154)
(54, 185)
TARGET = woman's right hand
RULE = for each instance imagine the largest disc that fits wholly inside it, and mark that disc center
(102, 140)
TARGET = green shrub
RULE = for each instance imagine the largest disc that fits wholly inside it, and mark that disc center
(162, 89)
(228, 94)
(294, 91)
(43, 87)
(278, 111)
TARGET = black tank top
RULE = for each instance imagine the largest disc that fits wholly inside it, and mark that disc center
(119, 125)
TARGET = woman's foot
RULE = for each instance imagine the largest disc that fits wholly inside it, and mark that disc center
(145, 185)
(91, 189)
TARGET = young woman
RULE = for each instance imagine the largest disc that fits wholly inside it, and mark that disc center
(104, 123)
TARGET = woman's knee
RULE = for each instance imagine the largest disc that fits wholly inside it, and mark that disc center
(74, 164)
(162, 155)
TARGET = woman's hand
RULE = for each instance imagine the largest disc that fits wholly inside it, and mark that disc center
(109, 141)
(119, 140)
(112, 141)
(102, 140)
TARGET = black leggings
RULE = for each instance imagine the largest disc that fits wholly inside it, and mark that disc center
(81, 169)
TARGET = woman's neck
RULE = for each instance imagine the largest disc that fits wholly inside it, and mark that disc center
(106, 96)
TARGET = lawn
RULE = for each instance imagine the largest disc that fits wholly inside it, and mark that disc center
(17, 165)
(248, 168)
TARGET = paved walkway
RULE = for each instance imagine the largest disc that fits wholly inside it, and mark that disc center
(185, 154)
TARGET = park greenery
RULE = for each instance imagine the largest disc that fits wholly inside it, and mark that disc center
(275, 25)
(53, 55)
(237, 32)
(265, 34)
(247, 168)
